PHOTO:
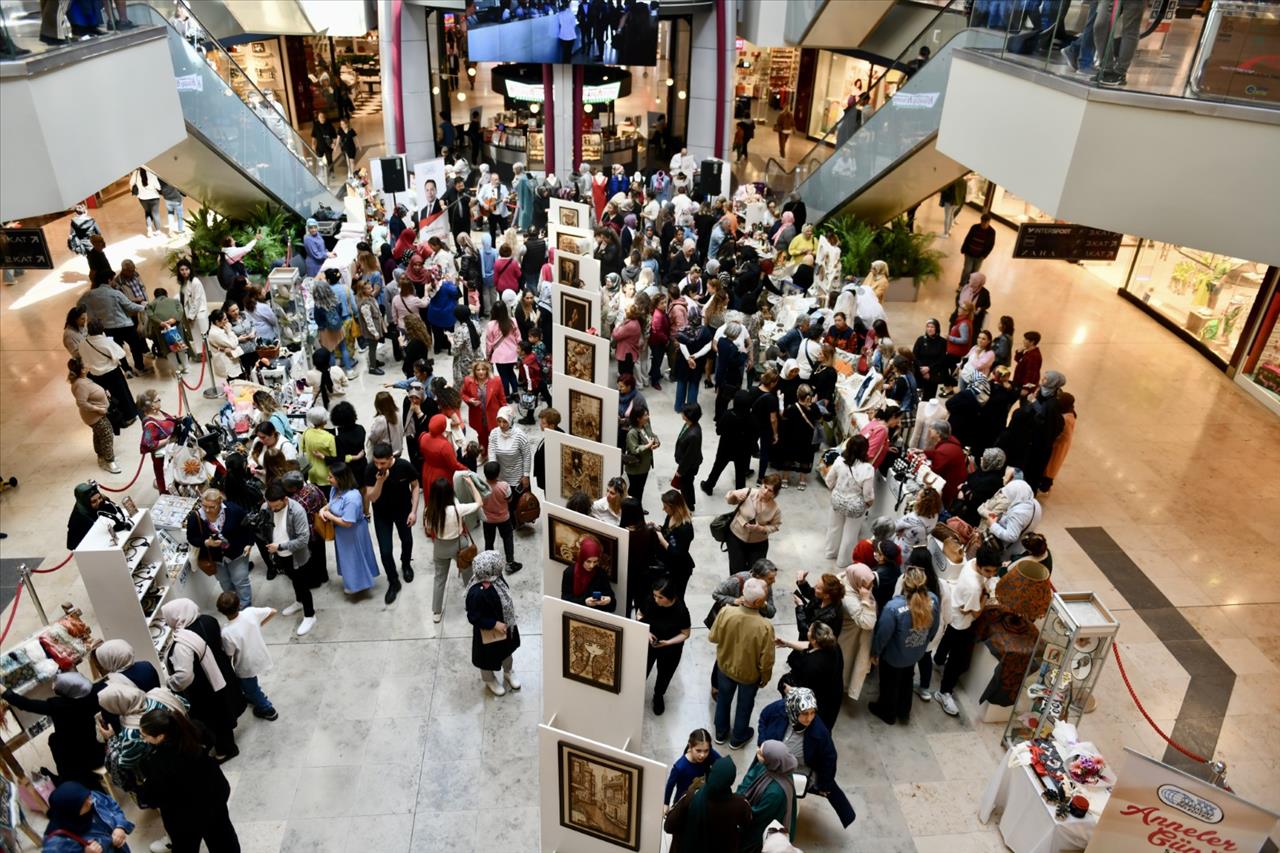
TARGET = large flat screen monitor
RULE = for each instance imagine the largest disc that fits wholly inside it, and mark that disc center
(578, 32)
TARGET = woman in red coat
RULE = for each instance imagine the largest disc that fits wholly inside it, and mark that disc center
(439, 459)
(483, 394)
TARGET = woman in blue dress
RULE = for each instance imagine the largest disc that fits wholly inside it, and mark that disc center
(356, 563)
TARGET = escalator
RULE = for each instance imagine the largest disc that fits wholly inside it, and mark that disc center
(233, 157)
(891, 162)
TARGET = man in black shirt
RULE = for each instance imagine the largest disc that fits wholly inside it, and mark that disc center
(978, 243)
(322, 136)
(392, 488)
(766, 420)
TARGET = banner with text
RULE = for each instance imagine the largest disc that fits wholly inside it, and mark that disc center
(1159, 809)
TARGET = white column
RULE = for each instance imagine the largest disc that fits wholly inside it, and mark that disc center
(704, 58)
(414, 82)
(562, 83)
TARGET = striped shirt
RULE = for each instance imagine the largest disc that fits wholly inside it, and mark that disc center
(512, 452)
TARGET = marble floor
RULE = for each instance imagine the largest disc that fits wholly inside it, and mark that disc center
(388, 742)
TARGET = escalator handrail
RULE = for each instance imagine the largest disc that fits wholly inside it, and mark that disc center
(231, 63)
(896, 64)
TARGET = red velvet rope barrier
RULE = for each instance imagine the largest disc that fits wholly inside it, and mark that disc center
(1134, 696)
(204, 361)
(128, 485)
(65, 560)
(17, 596)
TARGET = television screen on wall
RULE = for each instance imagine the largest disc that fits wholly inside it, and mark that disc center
(578, 32)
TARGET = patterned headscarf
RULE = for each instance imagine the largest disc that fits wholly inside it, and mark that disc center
(488, 567)
(799, 700)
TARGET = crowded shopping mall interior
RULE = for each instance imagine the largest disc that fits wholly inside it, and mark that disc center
(340, 341)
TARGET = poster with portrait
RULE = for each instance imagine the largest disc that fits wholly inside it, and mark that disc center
(429, 188)
(567, 270)
(587, 410)
(579, 355)
(576, 309)
(576, 465)
(571, 214)
(563, 531)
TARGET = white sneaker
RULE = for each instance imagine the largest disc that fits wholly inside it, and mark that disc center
(161, 846)
(351, 374)
(948, 703)
(436, 617)
(296, 607)
(924, 694)
(305, 626)
(109, 466)
(495, 688)
(512, 682)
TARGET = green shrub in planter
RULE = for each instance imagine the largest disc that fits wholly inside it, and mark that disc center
(909, 255)
(273, 225)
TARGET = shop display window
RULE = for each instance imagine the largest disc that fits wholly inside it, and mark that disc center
(1207, 294)
(1263, 369)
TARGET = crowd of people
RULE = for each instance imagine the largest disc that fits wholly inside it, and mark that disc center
(694, 292)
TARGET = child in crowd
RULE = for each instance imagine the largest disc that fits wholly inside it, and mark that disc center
(165, 313)
(242, 641)
(471, 456)
(373, 326)
(695, 764)
(530, 381)
(497, 515)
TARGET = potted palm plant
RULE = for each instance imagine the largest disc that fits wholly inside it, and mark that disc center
(910, 257)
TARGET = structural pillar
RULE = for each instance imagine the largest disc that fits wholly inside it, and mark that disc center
(406, 80)
(712, 58)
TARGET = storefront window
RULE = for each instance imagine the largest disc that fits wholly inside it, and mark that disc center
(1265, 374)
(836, 79)
(1207, 294)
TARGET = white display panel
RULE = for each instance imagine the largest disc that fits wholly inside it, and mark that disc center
(574, 464)
(557, 525)
(574, 214)
(572, 270)
(616, 719)
(565, 238)
(565, 301)
(587, 410)
(581, 356)
(648, 790)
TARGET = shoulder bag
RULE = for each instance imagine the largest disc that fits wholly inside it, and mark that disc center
(717, 606)
(466, 553)
(323, 527)
(204, 560)
(721, 524)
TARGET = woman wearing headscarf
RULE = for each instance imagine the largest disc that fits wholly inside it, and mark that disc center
(1021, 515)
(980, 485)
(770, 790)
(116, 656)
(586, 582)
(84, 514)
(712, 819)
(74, 741)
(859, 606)
(122, 707)
(930, 352)
(793, 724)
(201, 672)
(186, 784)
(510, 448)
(79, 818)
(492, 614)
(465, 344)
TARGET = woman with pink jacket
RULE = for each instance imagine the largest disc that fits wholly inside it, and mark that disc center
(627, 340)
(501, 340)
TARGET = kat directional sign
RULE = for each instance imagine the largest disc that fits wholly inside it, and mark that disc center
(1155, 808)
(1062, 241)
(24, 249)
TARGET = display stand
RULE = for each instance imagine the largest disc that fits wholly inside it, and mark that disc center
(587, 355)
(562, 529)
(574, 464)
(589, 410)
(1074, 643)
(567, 302)
(609, 713)
(596, 798)
(127, 585)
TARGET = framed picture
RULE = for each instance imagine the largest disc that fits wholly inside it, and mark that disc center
(569, 216)
(258, 47)
(563, 538)
(579, 355)
(592, 652)
(600, 796)
(586, 415)
(567, 273)
(581, 471)
(576, 309)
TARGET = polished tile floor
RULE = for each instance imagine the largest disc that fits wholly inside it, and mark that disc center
(387, 741)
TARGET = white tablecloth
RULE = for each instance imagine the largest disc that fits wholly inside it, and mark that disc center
(1028, 823)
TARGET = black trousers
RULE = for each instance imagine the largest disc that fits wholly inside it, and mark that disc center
(689, 488)
(127, 336)
(635, 485)
(667, 659)
(296, 576)
(211, 824)
(895, 693)
(742, 555)
(954, 655)
(503, 529)
(382, 529)
(726, 452)
(497, 224)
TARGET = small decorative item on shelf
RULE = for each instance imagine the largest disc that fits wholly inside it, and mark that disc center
(1086, 769)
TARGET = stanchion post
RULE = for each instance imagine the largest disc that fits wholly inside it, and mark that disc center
(1218, 769)
(212, 392)
(24, 575)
